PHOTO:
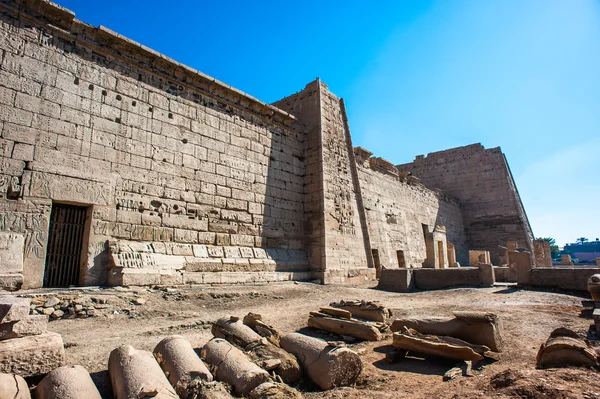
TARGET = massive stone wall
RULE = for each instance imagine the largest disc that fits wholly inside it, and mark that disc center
(396, 211)
(480, 178)
(157, 151)
(338, 239)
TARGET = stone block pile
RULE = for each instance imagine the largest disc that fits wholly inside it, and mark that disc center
(63, 308)
(27, 349)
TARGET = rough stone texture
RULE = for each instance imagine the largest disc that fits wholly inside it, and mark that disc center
(567, 278)
(233, 367)
(481, 179)
(474, 327)
(11, 253)
(440, 348)
(32, 356)
(593, 287)
(13, 387)
(135, 373)
(566, 260)
(398, 280)
(326, 365)
(543, 256)
(67, 382)
(13, 308)
(353, 328)
(505, 274)
(11, 281)
(180, 363)
(31, 325)
(435, 279)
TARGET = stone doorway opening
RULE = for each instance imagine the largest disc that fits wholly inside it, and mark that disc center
(65, 242)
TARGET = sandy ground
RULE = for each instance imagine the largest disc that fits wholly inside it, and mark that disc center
(528, 317)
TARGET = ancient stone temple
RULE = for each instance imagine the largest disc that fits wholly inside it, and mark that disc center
(121, 166)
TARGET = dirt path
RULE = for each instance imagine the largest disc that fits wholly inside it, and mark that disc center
(528, 318)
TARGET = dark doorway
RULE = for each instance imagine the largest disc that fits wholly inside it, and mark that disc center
(65, 239)
(377, 262)
(401, 260)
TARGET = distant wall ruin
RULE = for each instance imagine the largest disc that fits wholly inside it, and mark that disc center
(142, 171)
(481, 180)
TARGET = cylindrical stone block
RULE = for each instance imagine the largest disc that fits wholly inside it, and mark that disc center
(67, 382)
(327, 366)
(180, 363)
(136, 374)
(13, 387)
(233, 367)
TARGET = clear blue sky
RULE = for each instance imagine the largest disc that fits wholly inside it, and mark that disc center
(417, 76)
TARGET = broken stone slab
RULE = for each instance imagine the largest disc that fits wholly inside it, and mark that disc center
(274, 390)
(328, 366)
(13, 308)
(136, 374)
(353, 328)
(367, 310)
(232, 366)
(32, 356)
(262, 352)
(256, 323)
(428, 347)
(479, 328)
(462, 368)
(13, 387)
(335, 312)
(67, 382)
(31, 325)
(180, 363)
(564, 349)
(593, 286)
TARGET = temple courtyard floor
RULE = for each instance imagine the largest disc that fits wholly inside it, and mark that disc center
(143, 316)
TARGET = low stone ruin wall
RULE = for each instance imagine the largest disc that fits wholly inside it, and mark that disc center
(435, 279)
(405, 280)
(504, 274)
(567, 278)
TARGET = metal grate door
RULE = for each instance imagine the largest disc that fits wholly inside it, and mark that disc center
(63, 256)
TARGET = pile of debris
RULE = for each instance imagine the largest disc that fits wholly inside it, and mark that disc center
(246, 358)
(63, 308)
(26, 348)
(357, 319)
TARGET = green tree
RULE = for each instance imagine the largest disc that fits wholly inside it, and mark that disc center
(582, 240)
(554, 250)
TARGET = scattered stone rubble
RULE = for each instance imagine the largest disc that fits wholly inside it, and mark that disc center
(565, 348)
(26, 348)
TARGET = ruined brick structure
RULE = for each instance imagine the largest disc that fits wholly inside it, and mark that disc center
(121, 166)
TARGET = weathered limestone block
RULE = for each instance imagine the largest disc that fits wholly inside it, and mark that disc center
(564, 348)
(430, 347)
(232, 366)
(11, 281)
(598, 262)
(180, 363)
(475, 327)
(255, 322)
(262, 352)
(13, 387)
(135, 374)
(353, 328)
(367, 310)
(522, 265)
(31, 325)
(593, 286)
(13, 308)
(274, 390)
(11, 252)
(486, 274)
(32, 356)
(67, 382)
(566, 260)
(326, 365)
(334, 312)
(476, 257)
